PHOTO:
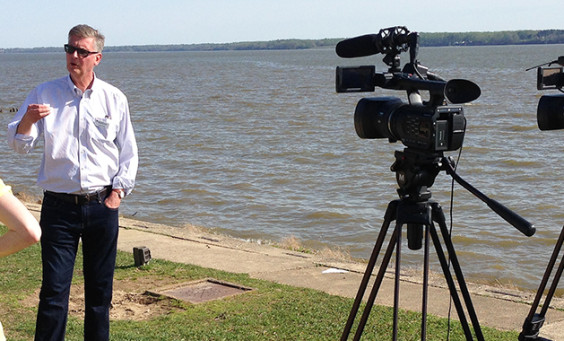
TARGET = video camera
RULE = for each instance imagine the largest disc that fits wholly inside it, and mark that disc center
(550, 110)
(428, 126)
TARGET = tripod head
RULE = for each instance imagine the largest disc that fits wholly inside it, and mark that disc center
(416, 171)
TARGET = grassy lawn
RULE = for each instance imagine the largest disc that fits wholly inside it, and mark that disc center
(269, 312)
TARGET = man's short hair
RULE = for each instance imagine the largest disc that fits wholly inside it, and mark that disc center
(85, 31)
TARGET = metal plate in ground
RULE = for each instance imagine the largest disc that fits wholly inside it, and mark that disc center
(205, 290)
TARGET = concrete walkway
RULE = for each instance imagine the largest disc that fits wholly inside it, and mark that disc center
(496, 307)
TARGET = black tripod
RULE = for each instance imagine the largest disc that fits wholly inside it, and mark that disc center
(534, 321)
(416, 172)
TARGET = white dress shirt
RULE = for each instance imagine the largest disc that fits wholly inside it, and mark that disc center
(89, 141)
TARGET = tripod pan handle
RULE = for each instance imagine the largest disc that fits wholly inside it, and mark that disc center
(511, 217)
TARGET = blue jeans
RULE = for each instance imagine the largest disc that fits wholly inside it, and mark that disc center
(63, 224)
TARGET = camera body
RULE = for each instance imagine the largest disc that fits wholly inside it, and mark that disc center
(428, 126)
(550, 78)
(550, 110)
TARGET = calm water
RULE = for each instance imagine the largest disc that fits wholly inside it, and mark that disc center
(258, 145)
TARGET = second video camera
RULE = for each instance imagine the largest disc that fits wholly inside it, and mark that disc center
(550, 110)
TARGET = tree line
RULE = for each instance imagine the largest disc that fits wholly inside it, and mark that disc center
(426, 39)
(493, 38)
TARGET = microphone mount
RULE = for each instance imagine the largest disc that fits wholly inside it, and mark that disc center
(390, 42)
(394, 41)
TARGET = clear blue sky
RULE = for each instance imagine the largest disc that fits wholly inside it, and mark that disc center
(34, 23)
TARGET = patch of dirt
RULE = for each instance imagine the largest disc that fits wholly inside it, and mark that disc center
(130, 300)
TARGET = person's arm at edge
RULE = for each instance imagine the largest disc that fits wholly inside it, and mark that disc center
(23, 228)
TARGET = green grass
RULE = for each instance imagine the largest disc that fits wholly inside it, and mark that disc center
(270, 312)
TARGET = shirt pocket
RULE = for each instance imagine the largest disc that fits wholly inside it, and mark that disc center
(104, 128)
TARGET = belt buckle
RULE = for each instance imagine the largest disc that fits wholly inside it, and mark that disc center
(95, 195)
(90, 196)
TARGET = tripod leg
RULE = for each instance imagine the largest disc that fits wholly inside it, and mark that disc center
(440, 218)
(388, 217)
(377, 283)
(397, 280)
(534, 322)
(425, 285)
(451, 286)
(556, 276)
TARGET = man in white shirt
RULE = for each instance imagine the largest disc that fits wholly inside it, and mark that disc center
(89, 165)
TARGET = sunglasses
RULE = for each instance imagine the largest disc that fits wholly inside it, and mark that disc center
(81, 52)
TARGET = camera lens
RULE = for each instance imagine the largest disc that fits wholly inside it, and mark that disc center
(550, 112)
(372, 117)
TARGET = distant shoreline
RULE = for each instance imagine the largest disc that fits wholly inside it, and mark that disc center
(522, 37)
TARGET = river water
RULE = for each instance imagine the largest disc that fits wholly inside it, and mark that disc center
(258, 145)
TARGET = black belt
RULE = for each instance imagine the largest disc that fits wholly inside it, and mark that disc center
(80, 199)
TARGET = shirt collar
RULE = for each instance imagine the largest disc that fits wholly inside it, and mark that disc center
(79, 92)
